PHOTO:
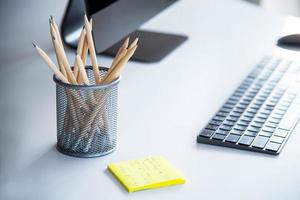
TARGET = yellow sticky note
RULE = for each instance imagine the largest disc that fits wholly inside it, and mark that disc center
(146, 173)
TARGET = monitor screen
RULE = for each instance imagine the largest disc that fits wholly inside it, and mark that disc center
(93, 6)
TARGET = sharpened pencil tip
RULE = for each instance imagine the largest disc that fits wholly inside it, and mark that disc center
(34, 45)
(51, 17)
(85, 18)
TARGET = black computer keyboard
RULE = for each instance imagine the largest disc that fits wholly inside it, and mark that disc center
(262, 112)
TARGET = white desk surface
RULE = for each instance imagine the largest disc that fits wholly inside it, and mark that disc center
(162, 106)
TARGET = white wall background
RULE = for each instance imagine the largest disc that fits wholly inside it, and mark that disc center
(285, 7)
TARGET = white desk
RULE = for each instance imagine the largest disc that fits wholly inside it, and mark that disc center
(162, 107)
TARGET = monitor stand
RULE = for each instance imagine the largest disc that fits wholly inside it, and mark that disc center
(153, 46)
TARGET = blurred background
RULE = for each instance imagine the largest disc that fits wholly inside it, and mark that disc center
(283, 7)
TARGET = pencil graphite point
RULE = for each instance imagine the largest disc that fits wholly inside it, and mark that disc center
(34, 45)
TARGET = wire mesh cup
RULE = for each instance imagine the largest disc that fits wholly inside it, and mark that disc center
(87, 117)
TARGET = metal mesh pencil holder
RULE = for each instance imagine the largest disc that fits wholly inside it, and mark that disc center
(87, 117)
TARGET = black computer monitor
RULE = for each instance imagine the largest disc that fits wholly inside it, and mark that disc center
(113, 20)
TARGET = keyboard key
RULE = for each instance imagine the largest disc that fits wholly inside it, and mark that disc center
(268, 129)
(246, 119)
(239, 127)
(281, 133)
(238, 110)
(217, 118)
(206, 133)
(254, 107)
(282, 108)
(251, 115)
(236, 132)
(270, 104)
(225, 110)
(265, 112)
(250, 133)
(262, 116)
(290, 117)
(276, 121)
(240, 106)
(222, 132)
(271, 146)
(276, 139)
(260, 142)
(253, 129)
(246, 140)
(214, 122)
(285, 104)
(224, 127)
(229, 102)
(261, 100)
(266, 134)
(234, 114)
(271, 124)
(219, 137)
(252, 111)
(242, 123)
(228, 123)
(276, 116)
(211, 127)
(233, 119)
(279, 112)
(259, 120)
(234, 99)
(232, 138)
(222, 114)
(270, 108)
(242, 102)
(228, 106)
(256, 124)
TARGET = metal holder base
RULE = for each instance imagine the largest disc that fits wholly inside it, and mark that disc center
(79, 155)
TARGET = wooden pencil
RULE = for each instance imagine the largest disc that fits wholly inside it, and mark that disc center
(50, 64)
(84, 51)
(60, 64)
(63, 58)
(56, 30)
(120, 66)
(119, 53)
(135, 41)
(92, 50)
(79, 52)
(82, 70)
(62, 53)
(116, 61)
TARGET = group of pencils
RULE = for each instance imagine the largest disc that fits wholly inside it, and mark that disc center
(82, 115)
(85, 45)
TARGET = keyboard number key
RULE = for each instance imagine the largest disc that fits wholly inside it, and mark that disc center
(281, 133)
(219, 137)
(271, 146)
(206, 133)
(260, 142)
(246, 140)
(232, 138)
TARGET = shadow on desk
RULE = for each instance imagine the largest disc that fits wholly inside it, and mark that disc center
(228, 150)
